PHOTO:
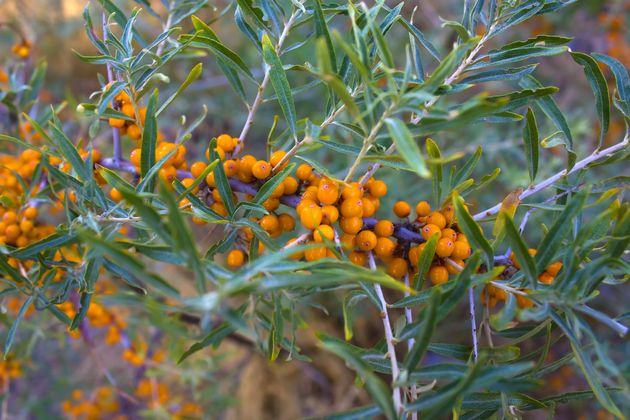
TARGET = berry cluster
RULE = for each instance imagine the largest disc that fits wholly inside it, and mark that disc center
(123, 103)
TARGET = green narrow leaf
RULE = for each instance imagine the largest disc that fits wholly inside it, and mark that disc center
(407, 147)
(435, 166)
(149, 139)
(349, 301)
(530, 141)
(425, 260)
(322, 31)
(221, 180)
(277, 328)
(598, 84)
(280, 84)
(14, 326)
(192, 76)
(270, 186)
(520, 250)
(622, 79)
(472, 230)
(429, 317)
(213, 338)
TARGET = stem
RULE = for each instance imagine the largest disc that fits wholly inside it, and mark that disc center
(165, 28)
(473, 322)
(389, 338)
(117, 144)
(554, 178)
(368, 143)
(413, 391)
(261, 89)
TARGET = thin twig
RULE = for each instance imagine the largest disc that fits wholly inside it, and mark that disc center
(389, 338)
(554, 178)
(117, 144)
(473, 322)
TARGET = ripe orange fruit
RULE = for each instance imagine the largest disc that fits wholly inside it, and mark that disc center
(30, 213)
(438, 219)
(545, 278)
(352, 190)
(438, 274)
(377, 188)
(352, 208)
(235, 258)
(323, 232)
(230, 167)
(449, 233)
(444, 247)
(269, 223)
(397, 268)
(384, 228)
(358, 258)
(314, 254)
(115, 195)
(290, 185)
(430, 230)
(384, 247)
(330, 214)
(327, 193)
(225, 142)
(402, 209)
(287, 222)
(554, 268)
(351, 225)
(366, 240)
(276, 157)
(454, 270)
(461, 251)
(261, 169)
(311, 217)
(303, 172)
(423, 209)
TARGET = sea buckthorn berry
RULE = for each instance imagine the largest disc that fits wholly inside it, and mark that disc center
(423, 209)
(116, 122)
(245, 164)
(188, 182)
(327, 193)
(384, 228)
(310, 193)
(352, 190)
(21, 241)
(12, 232)
(449, 213)
(366, 240)
(303, 172)
(377, 188)
(134, 132)
(314, 254)
(397, 268)
(532, 252)
(352, 208)
(26, 226)
(358, 258)
(554, 268)
(134, 157)
(128, 110)
(287, 222)
(31, 213)
(430, 230)
(230, 168)
(524, 302)
(115, 195)
(269, 223)
(323, 233)
(438, 274)
(444, 248)
(197, 168)
(219, 208)
(462, 238)
(314, 180)
(351, 225)
(330, 215)
(449, 233)
(402, 209)
(438, 219)
(198, 221)
(347, 240)
(261, 169)
(278, 191)
(384, 247)
(454, 270)
(225, 142)
(461, 250)
(545, 278)
(414, 255)
(235, 258)
(368, 208)
(311, 217)
(297, 255)
(303, 204)
(276, 157)
(271, 204)
(210, 180)
(291, 185)
(220, 153)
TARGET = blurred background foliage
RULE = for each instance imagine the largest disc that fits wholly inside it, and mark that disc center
(234, 381)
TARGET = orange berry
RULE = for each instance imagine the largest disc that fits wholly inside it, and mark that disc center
(225, 142)
(116, 122)
(352, 208)
(366, 240)
(554, 268)
(438, 219)
(449, 214)
(461, 251)
(532, 252)
(30, 212)
(210, 180)
(449, 233)
(261, 169)
(414, 255)
(462, 237)
(303, 172)
(230, 167)
(314, 254)
(276, 157)
(134, 132)
(10, 217)
(358, 258)
(134, 157)
(310, 193)
(235, 258)
(245, 164)
(219, 208)
(545, 278)
(311, 217)
(352, 190)
(330, 214)
(402, 209)
(197, 168)
(524, 302)
(454, 270)
(347, 240)
(351, 225)
(384, 247)
(290, 185)
(269, 223)
(377, 188)
(115, 195)
(438, 274)
(430, 230)
(26, 226)
(368, 208)
(444, 247)
(296, 255)
(12, 232)
(323, 231)
(423, 209)
(327, 194)
(397, 268)
(128, 110)
(384, 228)
(287, 222)
(303, 204)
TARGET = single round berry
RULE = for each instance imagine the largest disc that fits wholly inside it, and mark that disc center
(366, 240)
(235, 258)
(287, 222)
(397, 268)
(291, 185)
(377, 188)
(423, 209)
(444, 247)
(352, 190)
(323, 233)
(461, 251)
(226, 142)
(554, 268)
(276, 157)
(327, 194)
(545, 278)
(384, 247)
(430, 230)
(438, 274)
(402, 209)
(197, 168)
(438, 219)
(384, 228)
(31, 213)
(311, 217)
(261, 169)
(358, 258)
(230, 167)
(269, 223)
(303, 172)
(352, 208)
(314, 254)
(451, 268)
(330, 214)
(115, 195)
(351, 225)
(449, 233)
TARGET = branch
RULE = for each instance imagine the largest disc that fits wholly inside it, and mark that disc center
(261, 89)
(554, 178)
(389, 338)
(117, 145)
